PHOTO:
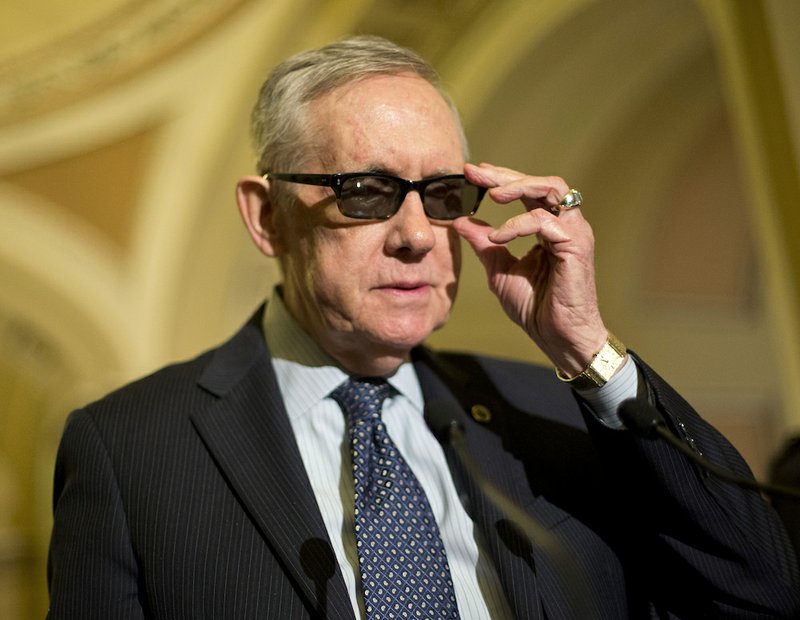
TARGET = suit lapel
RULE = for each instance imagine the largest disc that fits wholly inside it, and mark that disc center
(250, 438)
(511, 552)
(249, 435)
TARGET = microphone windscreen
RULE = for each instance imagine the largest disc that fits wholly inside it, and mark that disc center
(641, 418)
(441, 416)
(317, 559)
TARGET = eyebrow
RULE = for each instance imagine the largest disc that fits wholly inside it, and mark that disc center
(378, 169)
(381, 170)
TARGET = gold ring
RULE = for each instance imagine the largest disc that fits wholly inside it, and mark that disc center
(571, 200)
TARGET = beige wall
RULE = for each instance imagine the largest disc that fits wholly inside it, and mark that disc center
(123, 130)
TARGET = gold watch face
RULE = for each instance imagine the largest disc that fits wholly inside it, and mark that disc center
(604, 364)
(602, 368)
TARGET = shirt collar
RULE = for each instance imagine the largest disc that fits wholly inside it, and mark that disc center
(306, 374)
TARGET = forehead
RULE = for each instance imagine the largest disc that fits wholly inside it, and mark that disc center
(394, 122)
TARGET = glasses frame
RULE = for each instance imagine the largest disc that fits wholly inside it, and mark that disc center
(336, 182)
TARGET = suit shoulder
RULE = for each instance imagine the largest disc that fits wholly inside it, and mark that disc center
(182, 386)
(497, 363)
(169, 387)
(527, 386)
(503, 371)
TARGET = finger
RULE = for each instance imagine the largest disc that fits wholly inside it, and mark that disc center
(506, 185)
(490, 175)
(567, 214)
(476, 232)
(537, 222)
(534, 192)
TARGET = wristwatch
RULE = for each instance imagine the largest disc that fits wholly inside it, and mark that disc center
(602, 367)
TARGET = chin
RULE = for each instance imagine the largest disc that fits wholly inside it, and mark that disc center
(407, 336)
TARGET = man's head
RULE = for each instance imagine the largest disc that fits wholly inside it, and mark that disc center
(367, 291)
(278, 124)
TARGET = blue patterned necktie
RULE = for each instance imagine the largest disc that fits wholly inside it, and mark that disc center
(401, 557)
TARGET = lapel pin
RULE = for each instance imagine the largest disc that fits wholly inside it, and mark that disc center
(481, 413)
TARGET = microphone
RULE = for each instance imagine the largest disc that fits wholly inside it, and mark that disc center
(319, 564)
(444, 418)
(646, 421)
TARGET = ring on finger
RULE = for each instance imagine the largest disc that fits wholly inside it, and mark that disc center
(571, 200)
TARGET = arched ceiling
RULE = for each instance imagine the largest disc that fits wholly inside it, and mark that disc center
(101, 108)
(123, 131)
(54, 52)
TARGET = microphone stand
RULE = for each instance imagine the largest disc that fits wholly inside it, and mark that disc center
(647, 421)
(562, 561)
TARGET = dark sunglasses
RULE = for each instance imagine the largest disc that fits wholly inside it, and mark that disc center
(375, 196)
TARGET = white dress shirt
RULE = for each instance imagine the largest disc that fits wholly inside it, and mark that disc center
(306, 376)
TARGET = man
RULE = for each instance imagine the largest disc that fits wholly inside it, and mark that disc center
(784, 469)
(280, 475)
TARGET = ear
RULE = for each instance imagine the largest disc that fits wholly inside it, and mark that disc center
(256, 209)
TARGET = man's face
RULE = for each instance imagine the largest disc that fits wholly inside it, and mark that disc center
(370, 291)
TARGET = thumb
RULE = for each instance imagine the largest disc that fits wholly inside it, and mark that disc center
(495, 258)
(476, 232)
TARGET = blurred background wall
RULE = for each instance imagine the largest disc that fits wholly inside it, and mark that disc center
(123, 129)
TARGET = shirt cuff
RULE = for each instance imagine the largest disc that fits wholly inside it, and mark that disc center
(605, 401)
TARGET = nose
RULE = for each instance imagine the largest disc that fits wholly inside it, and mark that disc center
(411, 232)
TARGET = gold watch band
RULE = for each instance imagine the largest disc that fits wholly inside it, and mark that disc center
(602, 367)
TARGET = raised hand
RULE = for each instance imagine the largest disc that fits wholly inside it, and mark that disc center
(550, 291)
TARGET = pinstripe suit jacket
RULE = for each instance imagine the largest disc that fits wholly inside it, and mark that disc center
(183, 495)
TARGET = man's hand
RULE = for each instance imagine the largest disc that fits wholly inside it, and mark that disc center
(550, 292)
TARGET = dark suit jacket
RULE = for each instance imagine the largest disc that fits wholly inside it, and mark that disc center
(183, 495)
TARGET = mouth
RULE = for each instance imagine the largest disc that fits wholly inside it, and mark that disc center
(405, 289)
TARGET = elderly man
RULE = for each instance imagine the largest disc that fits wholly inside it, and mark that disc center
(290, 473)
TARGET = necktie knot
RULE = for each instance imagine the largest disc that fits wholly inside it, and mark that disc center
(362, 397)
